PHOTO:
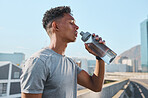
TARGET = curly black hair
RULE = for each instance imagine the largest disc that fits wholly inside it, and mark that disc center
(54, 13)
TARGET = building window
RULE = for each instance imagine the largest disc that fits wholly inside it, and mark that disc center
(3, 89)
(15, 88)
(16, 74)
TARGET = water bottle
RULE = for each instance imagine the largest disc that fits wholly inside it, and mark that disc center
(101, 50)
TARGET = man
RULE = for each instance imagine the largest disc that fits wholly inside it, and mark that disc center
(49, 73)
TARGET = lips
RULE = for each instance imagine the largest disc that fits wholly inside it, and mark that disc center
(76, 33)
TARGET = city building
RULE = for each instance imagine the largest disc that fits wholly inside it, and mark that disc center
(10, 80)
(127, 61)
(144, 45)
(82, 62)
(118, 68)
(16, 58)
(135, 65)
(117, 60)
(126, 67)
(91, 66)
(131, 62)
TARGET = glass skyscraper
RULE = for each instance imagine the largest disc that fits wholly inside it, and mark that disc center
(144, 45)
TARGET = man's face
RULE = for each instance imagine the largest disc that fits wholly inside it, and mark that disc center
(67, 28)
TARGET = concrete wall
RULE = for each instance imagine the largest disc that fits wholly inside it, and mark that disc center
(108, 91)
(126, 92)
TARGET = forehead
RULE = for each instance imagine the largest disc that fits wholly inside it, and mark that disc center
(68, 17)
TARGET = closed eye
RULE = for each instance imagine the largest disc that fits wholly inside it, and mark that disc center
(72, 22)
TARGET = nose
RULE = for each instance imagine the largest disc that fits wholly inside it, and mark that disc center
(76, 28)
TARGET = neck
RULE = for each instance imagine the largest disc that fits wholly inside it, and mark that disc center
(57, 45)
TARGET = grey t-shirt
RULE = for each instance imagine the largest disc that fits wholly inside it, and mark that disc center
(49, 73)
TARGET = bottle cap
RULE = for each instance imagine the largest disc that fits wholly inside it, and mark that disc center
(85, 36)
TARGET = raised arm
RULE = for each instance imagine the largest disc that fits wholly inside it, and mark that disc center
(26, 95)
(94, 82)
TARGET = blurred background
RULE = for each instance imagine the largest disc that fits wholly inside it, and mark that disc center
(123, 24)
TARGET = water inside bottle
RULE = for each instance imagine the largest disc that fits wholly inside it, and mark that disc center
(100, 50)
(109, 56)
(106, 55)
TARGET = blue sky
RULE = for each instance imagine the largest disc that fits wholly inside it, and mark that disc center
(116, 21)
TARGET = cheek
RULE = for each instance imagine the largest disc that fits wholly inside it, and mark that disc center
(63, 28)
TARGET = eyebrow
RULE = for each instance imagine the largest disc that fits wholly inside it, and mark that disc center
(72, 19)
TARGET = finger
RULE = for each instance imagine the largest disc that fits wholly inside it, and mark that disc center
(100, 38)
(102, 42)
(97, 38)
(88, 49)
(86, 46)
(93, 34)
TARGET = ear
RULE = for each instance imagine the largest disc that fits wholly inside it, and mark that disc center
(55, 25)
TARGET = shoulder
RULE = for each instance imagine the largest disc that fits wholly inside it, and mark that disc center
(39, 58)
(42, 54)
(71, 60)
(38, 62)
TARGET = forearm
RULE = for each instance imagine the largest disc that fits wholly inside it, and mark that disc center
(98, 76)
(27, 95)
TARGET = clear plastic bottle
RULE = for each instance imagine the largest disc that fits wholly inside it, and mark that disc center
(101, 50)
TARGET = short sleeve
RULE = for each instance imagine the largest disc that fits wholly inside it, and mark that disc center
(78, 69)
(33, 76)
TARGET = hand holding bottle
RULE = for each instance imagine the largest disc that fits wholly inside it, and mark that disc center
(88, 45)
(97, 47)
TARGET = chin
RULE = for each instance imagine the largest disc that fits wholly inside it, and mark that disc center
(73, 40)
